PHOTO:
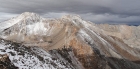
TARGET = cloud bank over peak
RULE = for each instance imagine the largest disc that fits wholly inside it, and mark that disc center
(98, 11)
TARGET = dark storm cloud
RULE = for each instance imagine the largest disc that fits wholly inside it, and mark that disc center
(99, 11)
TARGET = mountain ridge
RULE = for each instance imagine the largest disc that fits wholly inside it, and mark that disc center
(87, 39)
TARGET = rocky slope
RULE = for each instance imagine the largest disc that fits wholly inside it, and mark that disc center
(81, 44)
(34, 57)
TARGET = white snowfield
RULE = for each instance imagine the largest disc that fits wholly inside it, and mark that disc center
(37, 28)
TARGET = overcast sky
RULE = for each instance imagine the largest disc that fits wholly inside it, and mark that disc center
(97, 11)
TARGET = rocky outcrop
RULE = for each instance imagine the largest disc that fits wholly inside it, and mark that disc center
(5, 62)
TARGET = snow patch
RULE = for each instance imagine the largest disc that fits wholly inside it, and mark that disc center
(10, 22)
(85, 36)
(37, 28)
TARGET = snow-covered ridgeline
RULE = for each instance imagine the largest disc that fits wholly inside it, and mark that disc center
(29, 23)
(30, 58)
(17, 19)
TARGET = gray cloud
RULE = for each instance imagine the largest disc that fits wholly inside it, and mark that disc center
(98, 11)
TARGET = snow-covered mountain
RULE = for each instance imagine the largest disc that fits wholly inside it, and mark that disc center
(73, 42)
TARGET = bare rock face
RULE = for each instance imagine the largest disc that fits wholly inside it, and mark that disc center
(94, 46)
(5, 62)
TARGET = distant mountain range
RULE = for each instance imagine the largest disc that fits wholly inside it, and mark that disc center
(69, 42)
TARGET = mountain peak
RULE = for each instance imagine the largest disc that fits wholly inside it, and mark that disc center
(29, 14)
(28, 17)
(71, 17)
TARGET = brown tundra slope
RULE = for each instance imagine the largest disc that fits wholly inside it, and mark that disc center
(94, 46)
